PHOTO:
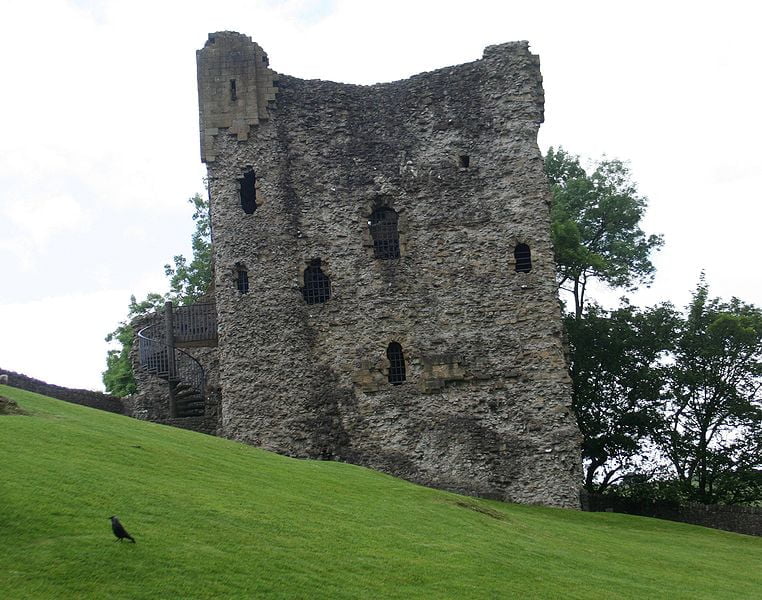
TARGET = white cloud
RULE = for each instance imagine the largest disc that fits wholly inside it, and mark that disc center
(29, 224)
(61, 339)
(99, 150)
(135, 233)
(37, 220)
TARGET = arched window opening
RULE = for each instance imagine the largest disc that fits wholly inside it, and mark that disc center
(383, 230)
(242, 280)
(317, 286)
(248, 192)
(523, 256)
(396, 363)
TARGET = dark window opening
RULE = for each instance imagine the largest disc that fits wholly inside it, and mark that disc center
(523, 257)
(465, 160)
(383, 230)
(242, 280)
(317, 286)
(396, 363)
(248, 192)
(233, 94)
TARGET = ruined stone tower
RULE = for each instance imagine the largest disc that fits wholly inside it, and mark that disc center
(384, 271)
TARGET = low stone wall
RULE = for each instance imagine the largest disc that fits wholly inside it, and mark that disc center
(207, 424)
(740, 519)
(84, 397)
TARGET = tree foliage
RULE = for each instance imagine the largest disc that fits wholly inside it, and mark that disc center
(596, 226)
(712, 420)
(118, 378)
(617, 375)
(668, 403)
(188, 282)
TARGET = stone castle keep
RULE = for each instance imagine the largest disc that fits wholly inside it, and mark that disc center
(384, 286)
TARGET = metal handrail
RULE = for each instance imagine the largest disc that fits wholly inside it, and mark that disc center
(190, 371)
(154, 358)
(153, 352)
(195, 322)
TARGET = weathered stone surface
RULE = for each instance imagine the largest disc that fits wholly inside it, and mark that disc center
(10, 407)
(484, 409)
(235, 97)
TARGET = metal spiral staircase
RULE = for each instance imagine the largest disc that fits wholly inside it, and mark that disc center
(160, 354)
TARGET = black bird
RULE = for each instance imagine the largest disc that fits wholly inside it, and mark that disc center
(119, 531)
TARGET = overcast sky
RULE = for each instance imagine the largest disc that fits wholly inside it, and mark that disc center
(100, 143)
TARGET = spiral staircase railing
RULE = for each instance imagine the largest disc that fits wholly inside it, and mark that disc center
(159, 356)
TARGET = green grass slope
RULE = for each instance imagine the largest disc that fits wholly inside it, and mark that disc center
(217, 519)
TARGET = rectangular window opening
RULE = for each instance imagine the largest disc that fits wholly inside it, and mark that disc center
(243, 281)
(248, 192)
(233, 92)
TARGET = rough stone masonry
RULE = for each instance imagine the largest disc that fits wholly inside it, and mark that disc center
(384, 273)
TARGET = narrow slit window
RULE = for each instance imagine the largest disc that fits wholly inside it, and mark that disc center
(317, 285)
(233, 92)
(396, 363)
(383, 230)
(523, 256)
(248, 191)
(242, 280)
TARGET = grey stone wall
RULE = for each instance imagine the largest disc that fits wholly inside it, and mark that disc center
(485, 407)
(740, 519)
(89, 398)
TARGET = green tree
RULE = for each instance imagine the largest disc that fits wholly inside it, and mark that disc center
(654, 392)
(617, 379)
(188, 283)
(596, 226)
(118, 377)
(711, 435)
(595, 219)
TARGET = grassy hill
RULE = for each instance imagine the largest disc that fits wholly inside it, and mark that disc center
(217, 519)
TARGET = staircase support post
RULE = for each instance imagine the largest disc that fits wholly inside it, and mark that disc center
(169, 336)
